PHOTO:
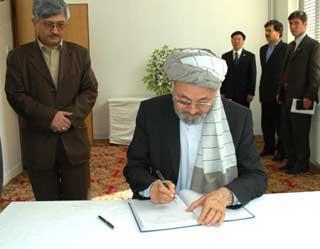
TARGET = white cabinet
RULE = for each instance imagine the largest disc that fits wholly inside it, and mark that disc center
(122, 117)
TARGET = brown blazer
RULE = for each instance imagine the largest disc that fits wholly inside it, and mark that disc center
(301, 76)
(32, 94)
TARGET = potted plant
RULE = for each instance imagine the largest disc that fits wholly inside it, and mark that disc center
(155, 79)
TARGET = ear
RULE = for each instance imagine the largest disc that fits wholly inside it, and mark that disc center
(34, 21)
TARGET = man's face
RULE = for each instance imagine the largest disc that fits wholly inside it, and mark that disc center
(237, 42)
(50, 30)
(192, 103)
(272, 35)
(297, 27)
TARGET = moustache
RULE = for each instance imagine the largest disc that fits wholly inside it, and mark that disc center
(54, 36)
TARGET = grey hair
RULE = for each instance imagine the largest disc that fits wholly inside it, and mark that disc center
(48, 8)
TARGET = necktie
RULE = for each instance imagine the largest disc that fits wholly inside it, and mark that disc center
(236, 57)
(269, 52)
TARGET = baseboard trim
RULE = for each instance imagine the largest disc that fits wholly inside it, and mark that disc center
(12, 173)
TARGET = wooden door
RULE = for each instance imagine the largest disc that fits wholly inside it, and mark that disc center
(76, 31)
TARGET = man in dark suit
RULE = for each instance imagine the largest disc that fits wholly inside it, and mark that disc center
(198, 141)
(272, 57)
(240, 82)
(50, 85)
(300, 80)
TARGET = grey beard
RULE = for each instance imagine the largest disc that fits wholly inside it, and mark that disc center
(189, 118)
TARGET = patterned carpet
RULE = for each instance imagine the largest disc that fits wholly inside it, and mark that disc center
(107, 181)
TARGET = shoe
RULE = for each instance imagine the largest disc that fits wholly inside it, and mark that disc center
(296, 170)
(278, 157)
(285, 167)
(267, 153)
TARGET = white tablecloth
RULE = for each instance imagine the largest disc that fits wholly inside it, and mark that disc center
(282, 221)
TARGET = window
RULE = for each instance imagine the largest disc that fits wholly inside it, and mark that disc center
(312, 9)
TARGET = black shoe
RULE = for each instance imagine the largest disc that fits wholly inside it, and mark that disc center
(296, 170)
(278, 157)
(285, 167)
(267, 153)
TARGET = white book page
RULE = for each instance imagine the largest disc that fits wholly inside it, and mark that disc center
(304, 111)
(189, 196)
(162, 216)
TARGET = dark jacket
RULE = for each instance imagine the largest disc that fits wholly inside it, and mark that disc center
(271, 71)
(32, 94)
(301, 75)
(240, 80)
(156, 145)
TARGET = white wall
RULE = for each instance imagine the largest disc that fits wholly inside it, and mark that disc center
(9, 131)
(123, 34)
(281, 10)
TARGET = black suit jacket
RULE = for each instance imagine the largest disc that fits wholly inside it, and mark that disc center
(271, 71)
(156, 145)
(240, 80)
(32, 94)
(301, 76)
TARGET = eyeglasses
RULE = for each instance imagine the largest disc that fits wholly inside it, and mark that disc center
(188, 103)
(60, 25)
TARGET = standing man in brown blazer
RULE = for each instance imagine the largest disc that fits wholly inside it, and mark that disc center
(50, 85)
(300, 80)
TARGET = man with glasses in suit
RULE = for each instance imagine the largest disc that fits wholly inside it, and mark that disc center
(52, 88)
(196, 139)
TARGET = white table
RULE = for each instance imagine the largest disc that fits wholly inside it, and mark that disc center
(282, 221)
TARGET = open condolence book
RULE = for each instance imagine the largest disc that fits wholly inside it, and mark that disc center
(154, 217)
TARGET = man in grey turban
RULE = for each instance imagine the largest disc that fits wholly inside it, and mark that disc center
(50, 85)
(196, 139)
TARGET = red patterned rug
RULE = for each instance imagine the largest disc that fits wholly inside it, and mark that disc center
(107, 181)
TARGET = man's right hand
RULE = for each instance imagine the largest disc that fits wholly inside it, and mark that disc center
(278, 99)
(60, 122)
(160, 194)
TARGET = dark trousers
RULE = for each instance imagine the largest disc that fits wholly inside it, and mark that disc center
(296, 129)
(271, 126)
(64, 181)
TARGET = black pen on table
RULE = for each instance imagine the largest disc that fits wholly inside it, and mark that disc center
(106, 222)
(163, 180)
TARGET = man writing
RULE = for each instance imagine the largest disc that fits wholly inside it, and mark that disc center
(50, 85)
(196, 139)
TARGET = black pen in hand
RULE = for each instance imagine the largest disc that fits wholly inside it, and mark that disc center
(163, 180)
(106, 222)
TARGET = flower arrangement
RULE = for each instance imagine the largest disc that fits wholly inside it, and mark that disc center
(155, 78)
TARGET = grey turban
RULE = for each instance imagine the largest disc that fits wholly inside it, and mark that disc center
(199, 67)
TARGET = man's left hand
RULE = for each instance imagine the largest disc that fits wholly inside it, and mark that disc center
(249, 98)
(307, 103)
(213, 205)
